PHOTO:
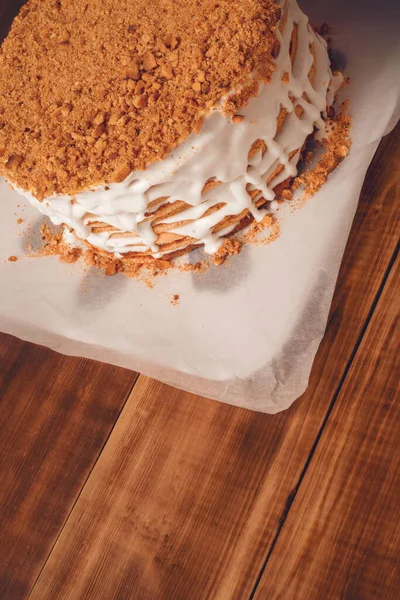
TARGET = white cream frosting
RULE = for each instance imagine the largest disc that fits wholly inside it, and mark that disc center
(219, 151)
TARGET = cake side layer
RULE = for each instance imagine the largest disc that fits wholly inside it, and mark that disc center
(213, 181)
(90, 91)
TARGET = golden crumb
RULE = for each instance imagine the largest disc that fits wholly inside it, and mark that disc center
(93, 90)
(54, 245)
(252, 233)
(175, 300)
(12, 258)
(229, 247)
(196, 268)
(336, 147)
(70, 255)
(144, 268)
(286, 194)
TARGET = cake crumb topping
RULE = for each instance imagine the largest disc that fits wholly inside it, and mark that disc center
(90, 91)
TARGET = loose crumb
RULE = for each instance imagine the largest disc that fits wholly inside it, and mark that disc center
(230, 247)
(12, 258)
(145, 269)
(175, 300)
(335, 148)
(54, 245)
(263, 232)
(197, 268)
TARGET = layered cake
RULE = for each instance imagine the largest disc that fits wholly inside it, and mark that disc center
(149, 129)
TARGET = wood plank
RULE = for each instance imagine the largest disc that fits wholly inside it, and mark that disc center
(186, 499)
(342, 536)
(56, 413)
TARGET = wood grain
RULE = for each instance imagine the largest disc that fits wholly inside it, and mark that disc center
(188, 495)
(56, 413)
(342, 536)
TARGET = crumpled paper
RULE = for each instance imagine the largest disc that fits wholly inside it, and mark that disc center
(247, 333)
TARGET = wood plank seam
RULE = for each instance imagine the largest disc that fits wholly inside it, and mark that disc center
(152, 543)
(82, 488)
(341, 539)
(293, 493)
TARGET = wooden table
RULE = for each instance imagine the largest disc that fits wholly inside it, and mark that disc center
(115, 486)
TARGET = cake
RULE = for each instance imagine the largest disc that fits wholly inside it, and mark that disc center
(151, 129)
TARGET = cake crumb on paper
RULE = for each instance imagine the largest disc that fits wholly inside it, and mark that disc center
(253, 234)
(175, 300)
(55, 245)
(197, 268)
(230, 247)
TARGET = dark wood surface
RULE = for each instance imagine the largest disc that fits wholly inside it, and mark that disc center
(56, 414)
(343, 531)
(116, 489)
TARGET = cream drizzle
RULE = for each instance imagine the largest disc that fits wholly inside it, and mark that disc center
(220, 151)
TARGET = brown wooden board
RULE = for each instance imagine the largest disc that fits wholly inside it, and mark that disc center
(188, 495)
(342, 536)
(56, 413)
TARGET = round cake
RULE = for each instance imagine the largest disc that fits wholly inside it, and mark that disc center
(152, 129)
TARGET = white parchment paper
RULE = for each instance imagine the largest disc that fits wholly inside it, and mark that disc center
(245, 334)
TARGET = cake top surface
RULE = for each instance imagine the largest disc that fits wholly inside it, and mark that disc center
(92, 90)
